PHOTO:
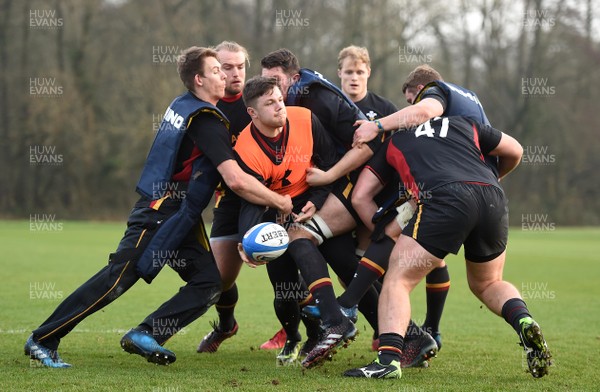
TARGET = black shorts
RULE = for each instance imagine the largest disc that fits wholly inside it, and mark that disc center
(226, 215)
(342, 189)
(462, 213)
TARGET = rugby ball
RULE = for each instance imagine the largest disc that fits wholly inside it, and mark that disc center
(265, 241)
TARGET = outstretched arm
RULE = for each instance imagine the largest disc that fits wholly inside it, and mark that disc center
(404, 118)
(353, 159)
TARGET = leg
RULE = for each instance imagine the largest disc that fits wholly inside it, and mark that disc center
(485, 252)
(502, 298)
(338, 329)
(101, 289)
(336, 216)
(196, 266)
(339, 253)
(288, 292)
(224, 239)
(229, 264)
(436, 291)
(408, 265)
(485, 281)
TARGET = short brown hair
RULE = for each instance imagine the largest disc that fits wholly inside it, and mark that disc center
(283, 58)
(257, 87)
(191, 63)
(357, 53)
(232, 46)
(423, 74)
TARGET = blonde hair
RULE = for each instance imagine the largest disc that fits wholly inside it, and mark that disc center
(357, 53)
(232, 46)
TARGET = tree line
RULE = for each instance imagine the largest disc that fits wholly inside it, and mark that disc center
(83, 85)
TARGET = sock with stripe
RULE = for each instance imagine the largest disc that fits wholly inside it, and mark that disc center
(313, 267)
(226, 307)
(370, 268)
(390, 347)
(340, 255)
(437, 284)
(513, 311)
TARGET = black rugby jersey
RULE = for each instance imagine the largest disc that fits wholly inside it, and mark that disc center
(438, 152)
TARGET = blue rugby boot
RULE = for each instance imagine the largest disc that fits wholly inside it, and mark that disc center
(44, 355)
(313, 312)
(141, 343)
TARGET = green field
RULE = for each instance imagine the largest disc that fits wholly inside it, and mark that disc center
(557, 270)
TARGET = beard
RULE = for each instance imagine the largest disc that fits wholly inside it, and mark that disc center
(233, 90)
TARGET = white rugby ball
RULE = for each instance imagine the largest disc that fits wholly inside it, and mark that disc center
(265, 241)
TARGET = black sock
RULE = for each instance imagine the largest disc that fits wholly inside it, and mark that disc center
(339, 253)
(313, 327)
(368, 307)
(390, 347)
(226, 307)
(437, 286)
(370, 268)
(288, 314)
(378, 284)
(514, 310)
(313, 268)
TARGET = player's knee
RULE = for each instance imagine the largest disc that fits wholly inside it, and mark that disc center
(317, 229)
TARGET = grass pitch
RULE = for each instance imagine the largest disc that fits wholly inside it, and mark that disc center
(557, 271)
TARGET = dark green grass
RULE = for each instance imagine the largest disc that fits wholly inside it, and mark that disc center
(558, 270)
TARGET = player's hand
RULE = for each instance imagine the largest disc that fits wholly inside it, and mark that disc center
(250, 262)
(317, 177)
(285, 208)
(366, 132)
(306, 213)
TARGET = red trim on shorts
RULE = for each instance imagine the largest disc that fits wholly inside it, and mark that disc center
(375, 174)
